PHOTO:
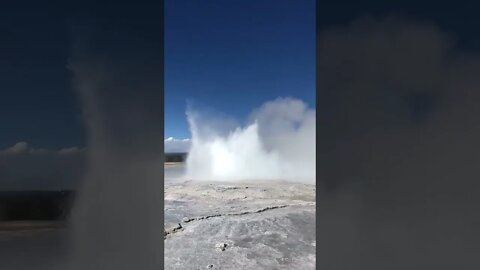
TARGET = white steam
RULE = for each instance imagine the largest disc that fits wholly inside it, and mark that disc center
(277, 144)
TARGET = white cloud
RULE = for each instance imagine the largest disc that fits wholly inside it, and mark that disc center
(173, 145)
(25, 168)
(23, 147)
(20, 147)
(69, 150)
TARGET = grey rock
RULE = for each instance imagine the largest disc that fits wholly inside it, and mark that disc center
(271, 229)
(221, 246)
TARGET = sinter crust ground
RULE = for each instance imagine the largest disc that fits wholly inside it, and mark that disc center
(249, 225)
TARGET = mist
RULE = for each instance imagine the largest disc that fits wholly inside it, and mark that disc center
(277, 143)
(117, 219)
(398, 147)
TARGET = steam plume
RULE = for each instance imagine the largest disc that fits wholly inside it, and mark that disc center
(117, 220)
(278, 143)
(398, 141)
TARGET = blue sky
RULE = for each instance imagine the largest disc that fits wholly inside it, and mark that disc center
(229, 55)
(232, 56)
(37, 102)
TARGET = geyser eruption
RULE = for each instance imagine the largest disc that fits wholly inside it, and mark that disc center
(399, 147)
(278, 143)
(117, 219)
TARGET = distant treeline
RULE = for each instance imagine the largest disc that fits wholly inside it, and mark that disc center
(35, 205)
(175, 157)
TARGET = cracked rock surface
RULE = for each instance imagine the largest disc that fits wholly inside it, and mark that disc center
(248, 225)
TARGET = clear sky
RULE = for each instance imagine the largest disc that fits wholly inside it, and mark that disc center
(230, 55)
(37, 101)
(233, 56)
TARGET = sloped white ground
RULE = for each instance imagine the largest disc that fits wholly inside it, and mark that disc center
(250, 225)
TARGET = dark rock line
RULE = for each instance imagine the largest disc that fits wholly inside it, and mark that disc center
(185, 220)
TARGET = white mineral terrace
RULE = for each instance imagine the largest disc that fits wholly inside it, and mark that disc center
(247, 225)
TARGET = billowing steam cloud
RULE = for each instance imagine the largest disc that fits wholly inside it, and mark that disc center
(117, 220)
(399, 131)
(278, 143)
